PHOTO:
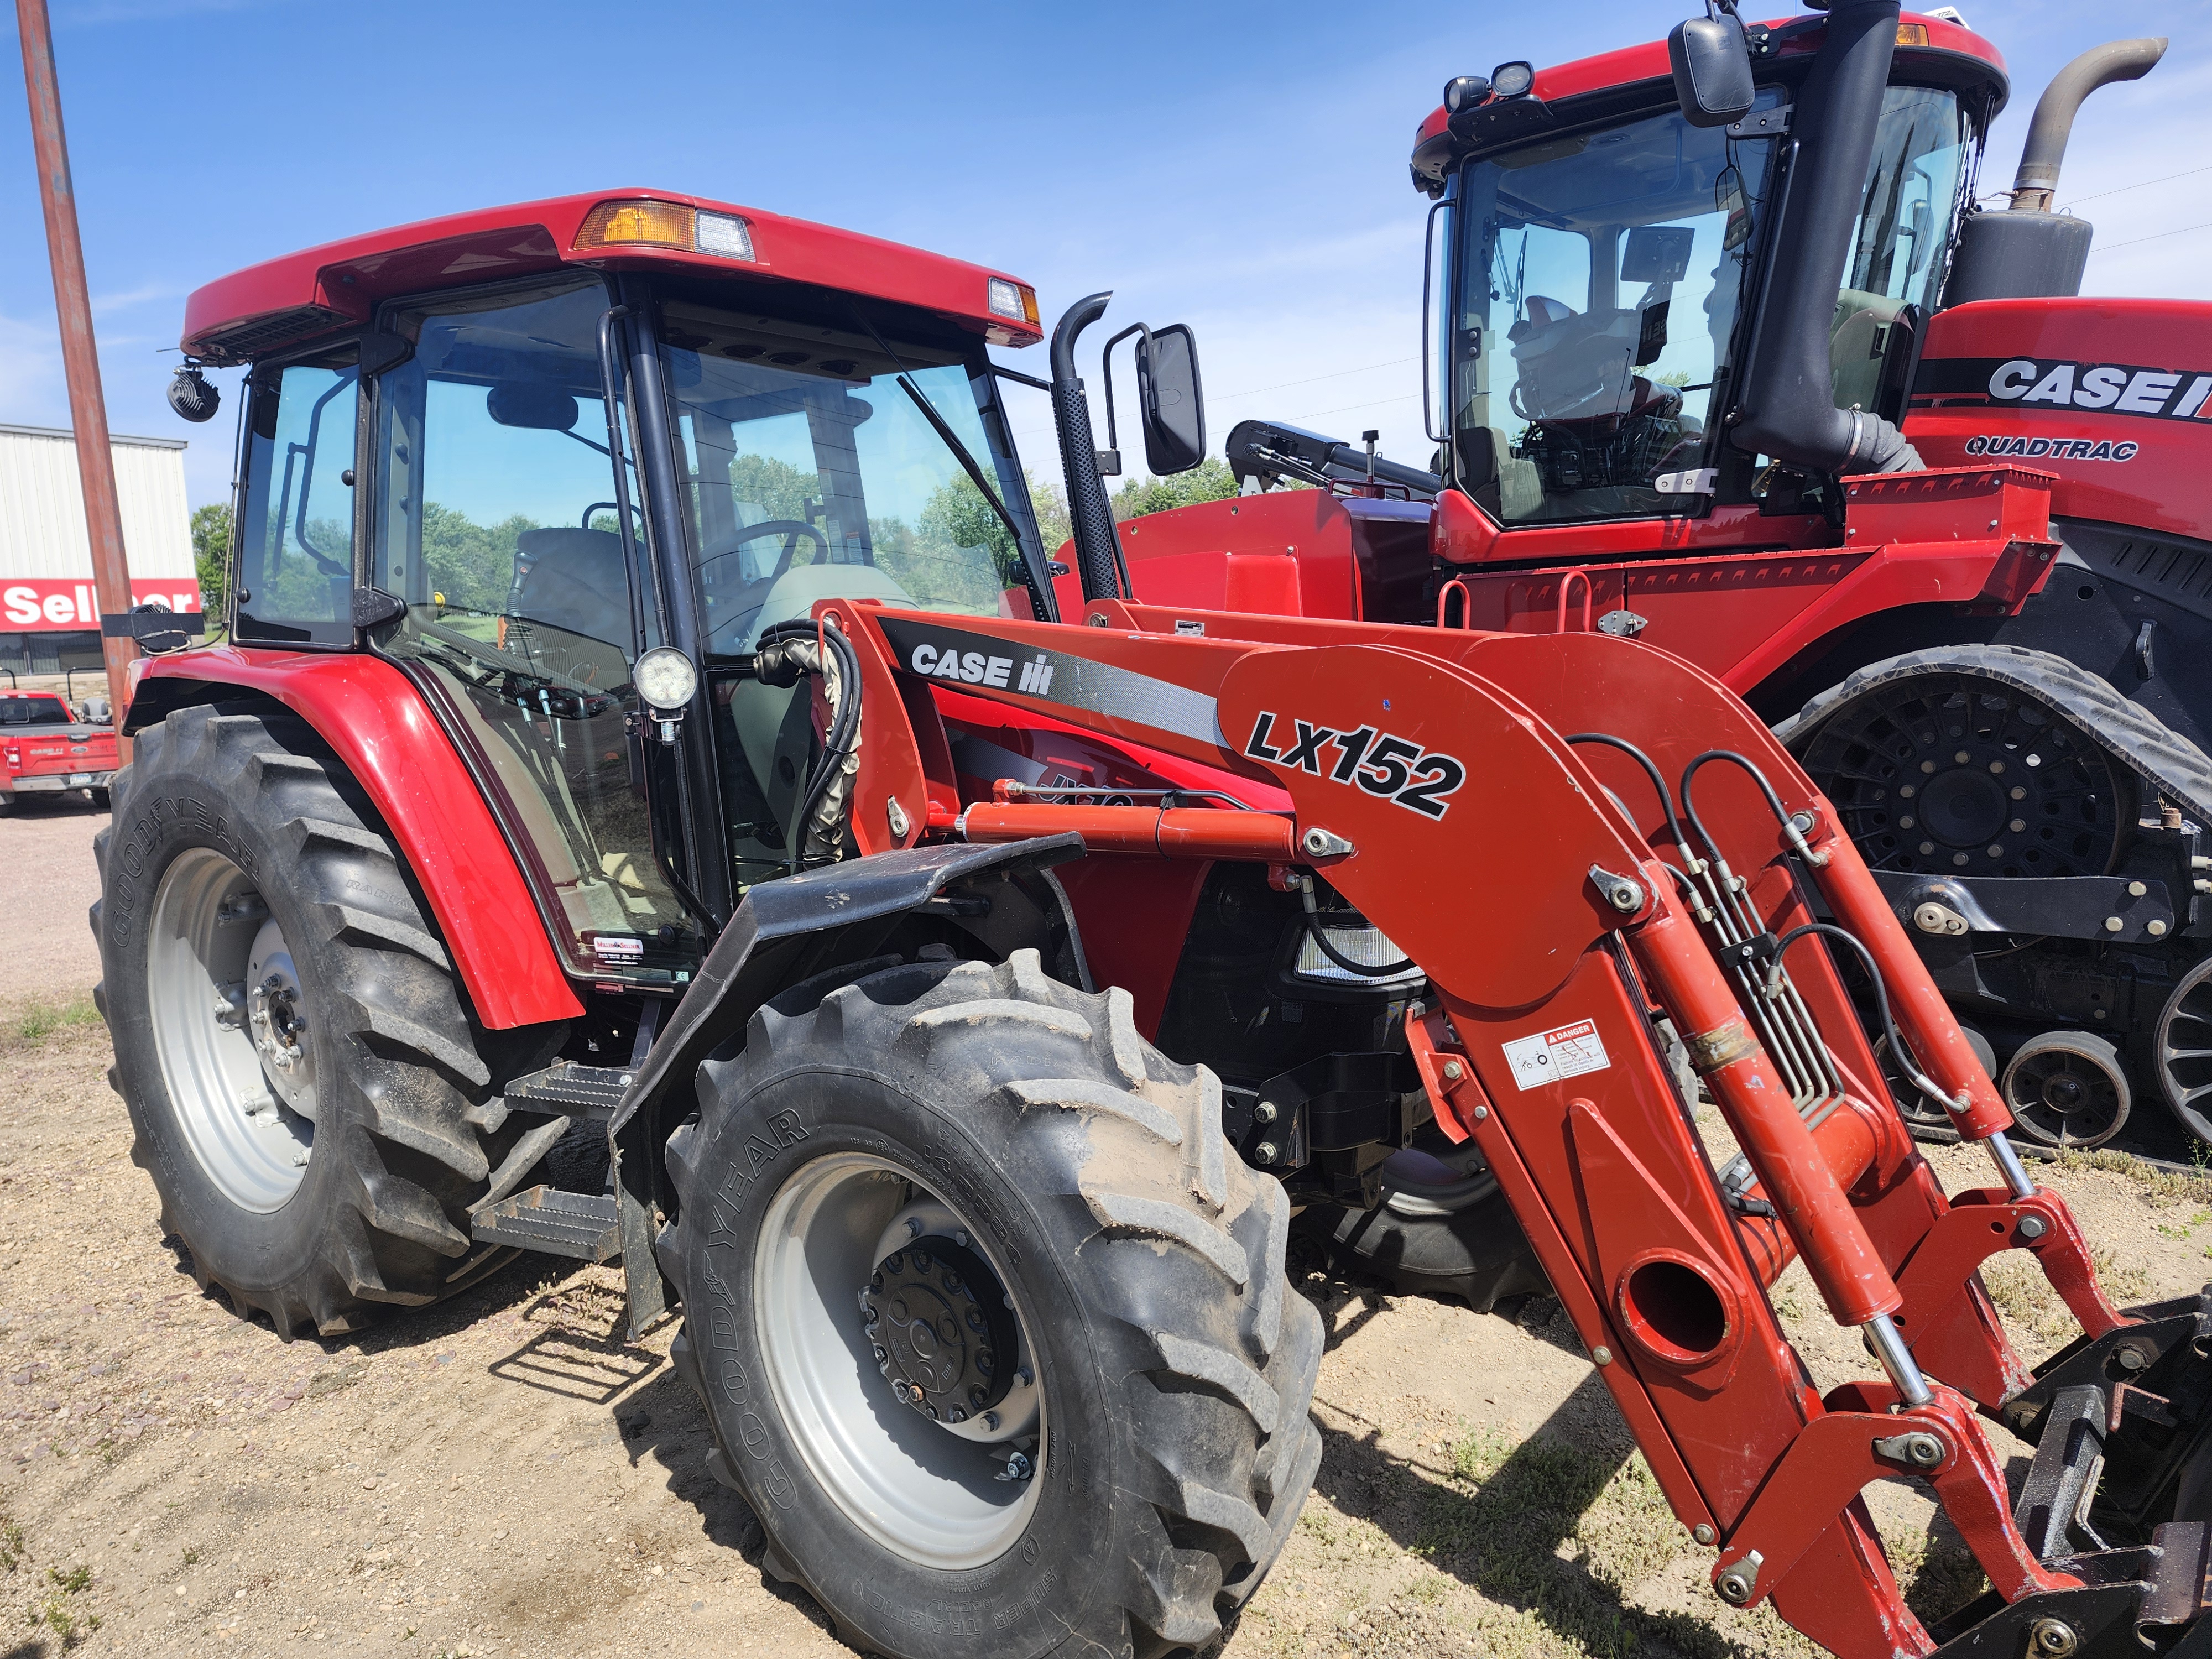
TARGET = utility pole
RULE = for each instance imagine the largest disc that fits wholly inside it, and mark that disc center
(95, 460)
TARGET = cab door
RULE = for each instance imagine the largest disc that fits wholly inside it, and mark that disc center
(495, 524)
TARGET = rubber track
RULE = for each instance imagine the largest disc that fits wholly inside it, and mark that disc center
(1155, 1198)
(2173, 767)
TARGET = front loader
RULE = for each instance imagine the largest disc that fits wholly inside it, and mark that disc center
(651, 713)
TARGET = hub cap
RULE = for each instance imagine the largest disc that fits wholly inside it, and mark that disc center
(946, 1350)
(212, 953)
(869, 1353)
(1957, 775)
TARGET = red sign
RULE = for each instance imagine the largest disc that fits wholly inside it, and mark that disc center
(50, 606)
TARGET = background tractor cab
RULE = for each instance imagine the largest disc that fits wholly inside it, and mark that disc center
(1721, 353)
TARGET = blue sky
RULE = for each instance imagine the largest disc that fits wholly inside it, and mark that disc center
(1242, 169)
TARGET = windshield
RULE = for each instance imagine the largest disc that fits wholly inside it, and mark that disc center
(35, 711)
(813, 469)
(1599, 280)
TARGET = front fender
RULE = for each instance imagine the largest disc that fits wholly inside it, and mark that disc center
(385, 734)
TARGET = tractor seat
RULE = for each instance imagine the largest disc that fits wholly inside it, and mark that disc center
(571, 580)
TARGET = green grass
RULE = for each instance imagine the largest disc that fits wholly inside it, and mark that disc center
(30, 1026)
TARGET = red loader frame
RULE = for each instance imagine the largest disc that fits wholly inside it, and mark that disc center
(1430, 784)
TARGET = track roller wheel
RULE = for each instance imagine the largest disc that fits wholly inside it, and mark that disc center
(2067, 1089)
(1935, 767)
(2184, 1050)
(989, 1320)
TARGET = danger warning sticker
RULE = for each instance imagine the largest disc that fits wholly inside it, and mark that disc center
(1555, 1056)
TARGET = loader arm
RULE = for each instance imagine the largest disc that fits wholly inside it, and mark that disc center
(1562, 901)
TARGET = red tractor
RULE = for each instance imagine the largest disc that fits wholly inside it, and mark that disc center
(1765, 387)
(649, 714)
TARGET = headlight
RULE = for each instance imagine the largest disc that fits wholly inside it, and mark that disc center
(644, 222)
(1356, 940)
(1511, 80)
(667, 679)
(1013, 300)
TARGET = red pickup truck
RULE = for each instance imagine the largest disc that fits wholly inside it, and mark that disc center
(47, 747)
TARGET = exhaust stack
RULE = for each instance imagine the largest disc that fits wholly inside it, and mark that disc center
(2030, 253)
(1097, 544)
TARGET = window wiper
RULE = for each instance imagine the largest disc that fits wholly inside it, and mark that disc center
(952, 438)
(960, 453)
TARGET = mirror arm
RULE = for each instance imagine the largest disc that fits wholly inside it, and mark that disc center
(1106, 373)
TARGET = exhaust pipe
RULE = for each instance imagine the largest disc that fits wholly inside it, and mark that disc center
(2031, 252)
(1097, 543)
(1787, 408)
(2036, 181)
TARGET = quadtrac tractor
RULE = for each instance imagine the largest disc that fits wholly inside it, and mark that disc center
(1670, 347)
(649, 710)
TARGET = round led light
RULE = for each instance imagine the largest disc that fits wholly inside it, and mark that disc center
(666, 677)
(1511, 80)
(1465, 92)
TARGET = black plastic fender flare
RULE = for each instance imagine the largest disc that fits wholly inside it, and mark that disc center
(789, 931)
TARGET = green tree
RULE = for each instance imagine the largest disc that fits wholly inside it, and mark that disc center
(777, 488)
(211, 554)
(1053, 528)
(1211, 480)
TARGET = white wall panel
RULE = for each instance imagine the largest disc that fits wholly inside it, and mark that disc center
(42, 531)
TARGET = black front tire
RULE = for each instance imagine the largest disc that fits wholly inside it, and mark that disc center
(409, 1122)
(1146, 1264)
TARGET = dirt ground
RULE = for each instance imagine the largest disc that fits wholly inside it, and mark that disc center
(501, 1476)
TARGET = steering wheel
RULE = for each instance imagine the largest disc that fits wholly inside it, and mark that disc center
(790, 529)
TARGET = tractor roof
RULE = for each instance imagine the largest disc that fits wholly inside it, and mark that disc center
(285, 301)
(1929, 48)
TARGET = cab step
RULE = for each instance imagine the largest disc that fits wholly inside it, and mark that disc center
(584, 1225)
(567, 1089)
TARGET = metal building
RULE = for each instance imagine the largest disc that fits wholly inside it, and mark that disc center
(49, 617)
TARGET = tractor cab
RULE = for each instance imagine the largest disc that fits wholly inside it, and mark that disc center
(512, 452)
(1606, 261)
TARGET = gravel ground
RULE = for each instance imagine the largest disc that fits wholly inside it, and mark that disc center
(500, 1476)
(46, 846)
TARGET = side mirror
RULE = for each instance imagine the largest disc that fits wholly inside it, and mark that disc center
(1167, 393)
(1712, 70)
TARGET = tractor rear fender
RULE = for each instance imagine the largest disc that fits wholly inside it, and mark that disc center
(840, 917)
(429, 801)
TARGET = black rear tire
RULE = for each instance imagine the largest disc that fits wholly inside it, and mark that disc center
(408, 1122)
(1143, 1259)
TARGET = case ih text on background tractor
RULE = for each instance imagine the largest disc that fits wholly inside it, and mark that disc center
(649, 707)
(2004, 694)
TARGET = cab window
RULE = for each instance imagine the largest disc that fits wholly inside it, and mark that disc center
(295, 576)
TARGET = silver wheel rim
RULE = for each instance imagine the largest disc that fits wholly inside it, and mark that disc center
(207, 928)
(927, 1494)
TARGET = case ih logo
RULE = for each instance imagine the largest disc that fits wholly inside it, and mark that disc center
(1393, 768)
(2056, 386)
